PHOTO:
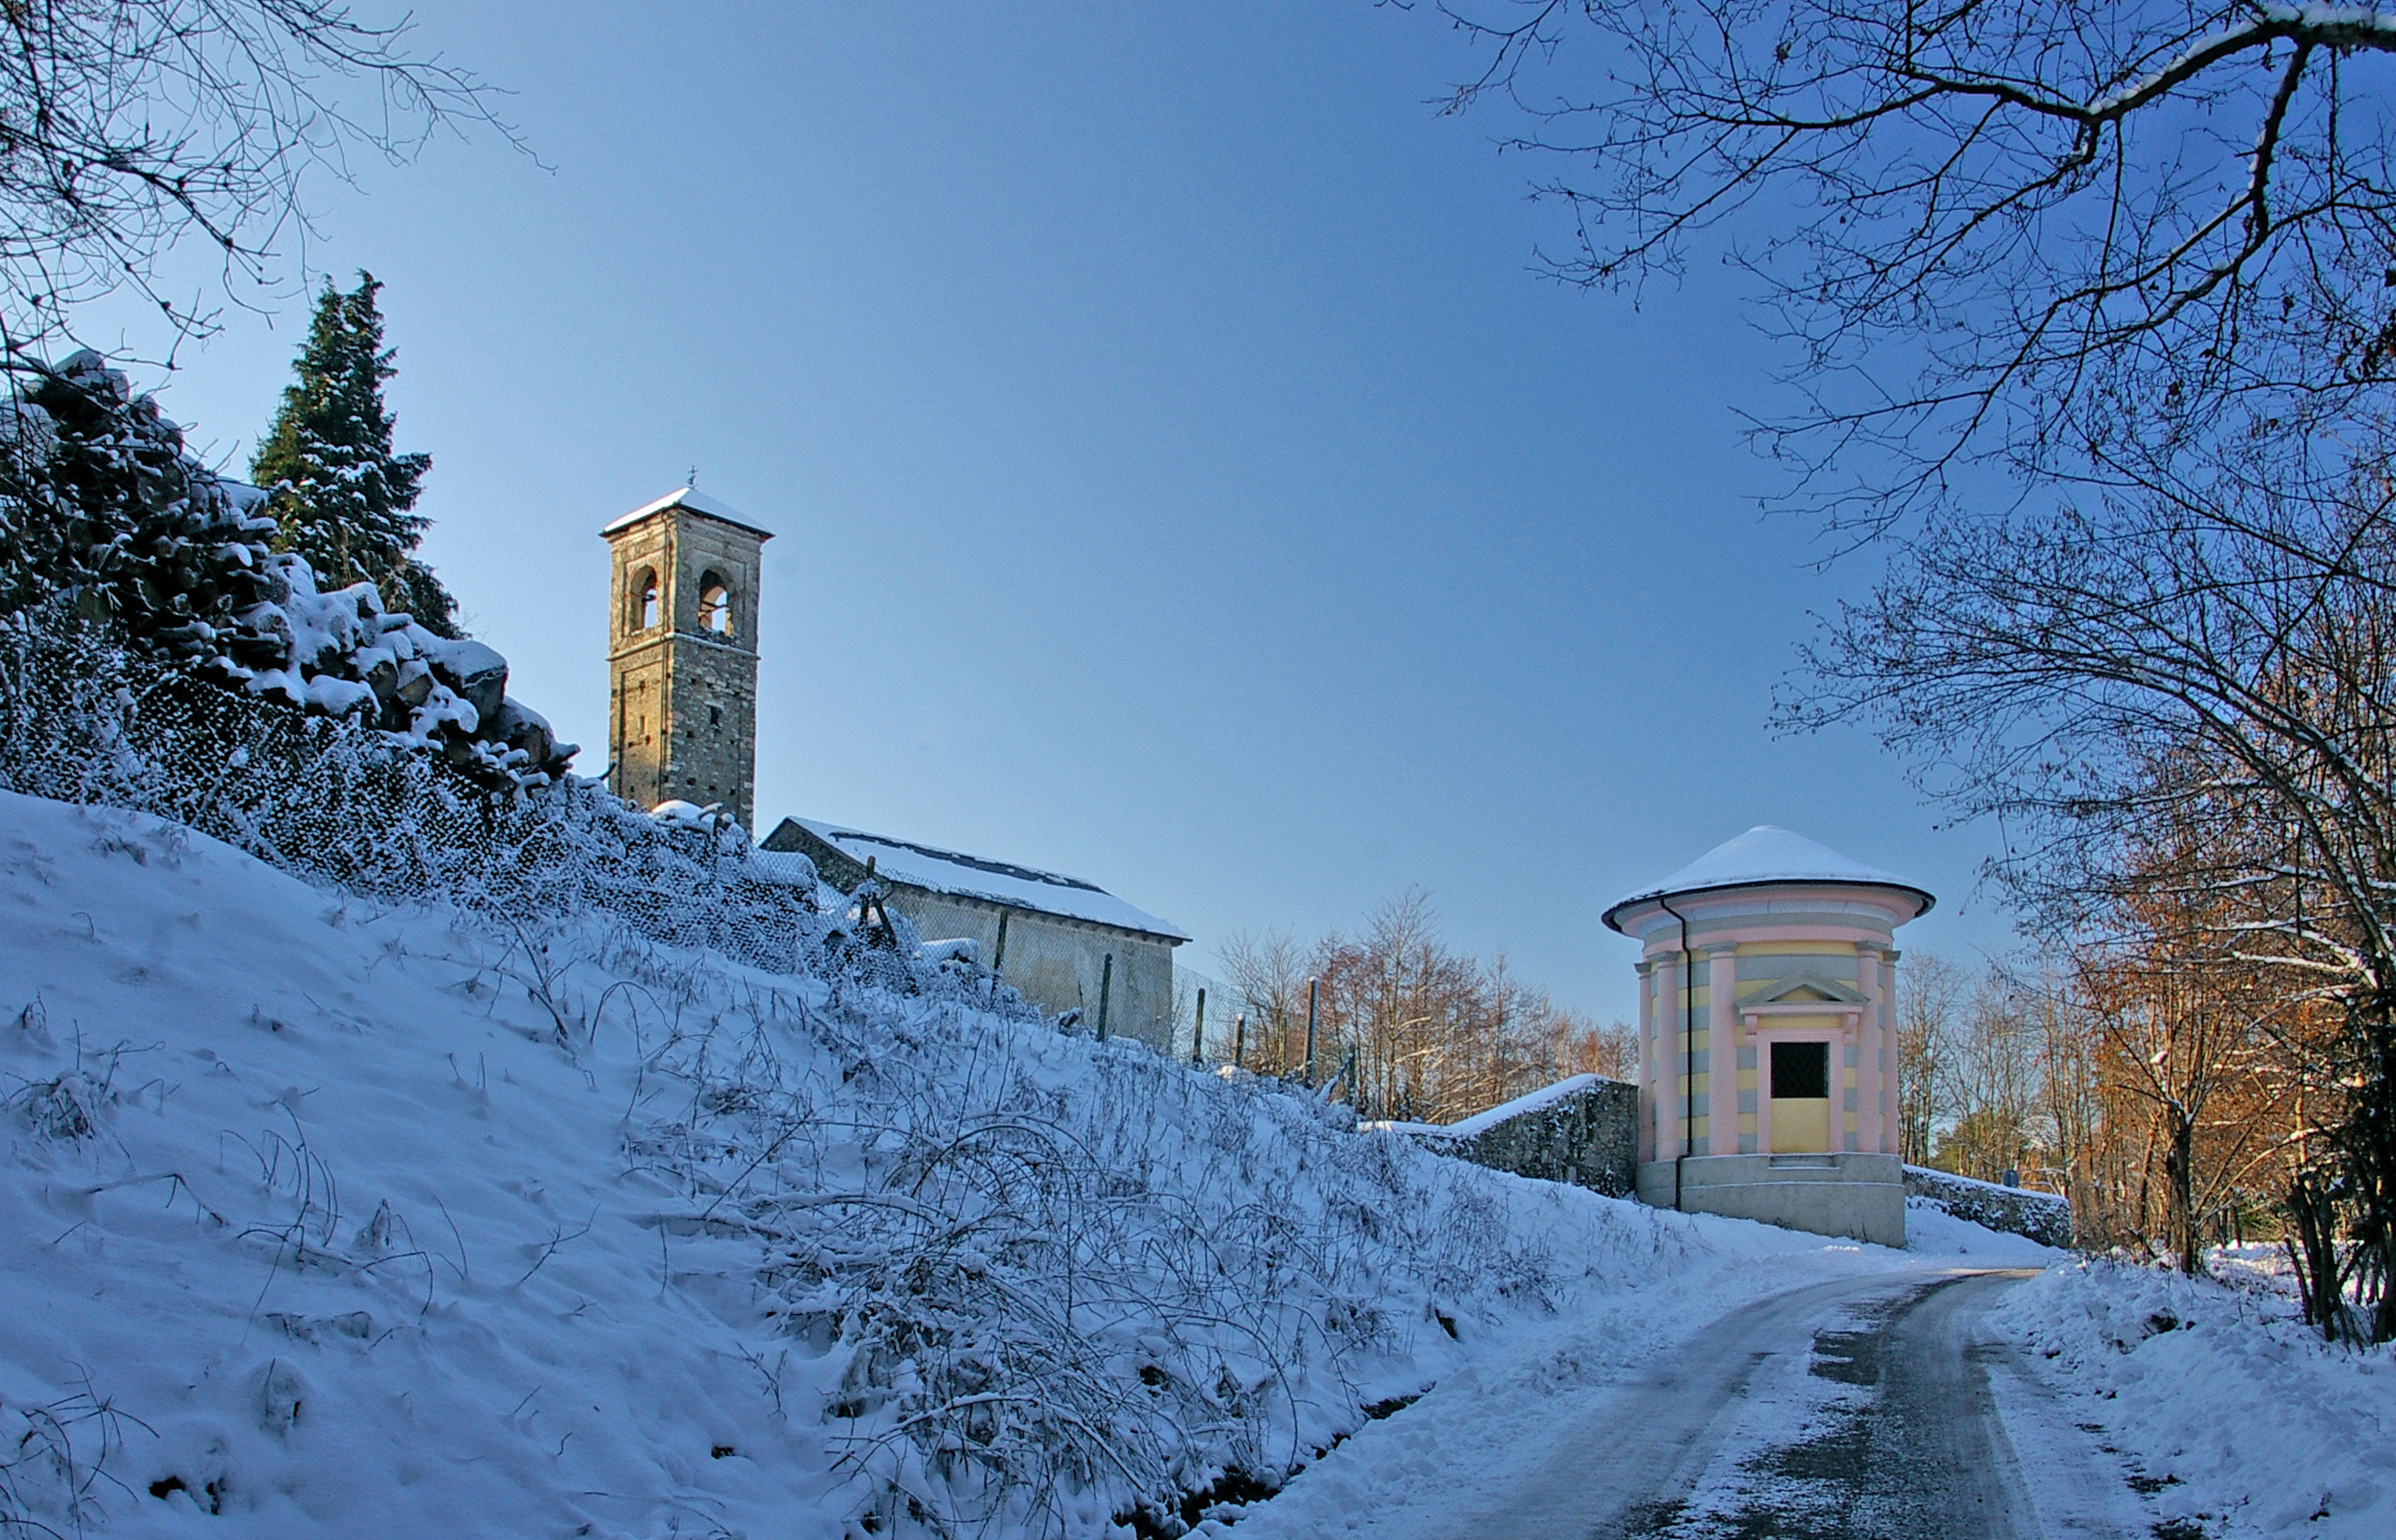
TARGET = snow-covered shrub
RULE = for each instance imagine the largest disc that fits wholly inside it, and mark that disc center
(1039, 1282)
(104, 514)
(64, 1107)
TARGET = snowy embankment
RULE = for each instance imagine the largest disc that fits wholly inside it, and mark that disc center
(337, 1219)
(2231, 1416)
(329, 1217)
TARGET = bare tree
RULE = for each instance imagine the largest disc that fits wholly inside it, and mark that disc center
(2206, 677)
(1991, 1075)
(2070, 236)
(1406, 1027)
(1269, 971)
(2071, 1105)
(1926, 1010)
(130, 126)
(2178, 1039)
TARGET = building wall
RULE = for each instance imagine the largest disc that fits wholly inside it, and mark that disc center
(1060, 965)
(1056, 964)
(682, 701)
(1700, 1074)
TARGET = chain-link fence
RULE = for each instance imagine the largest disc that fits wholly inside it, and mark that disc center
(86, 718)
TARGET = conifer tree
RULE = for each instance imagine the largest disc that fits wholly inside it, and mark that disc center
(342, 498)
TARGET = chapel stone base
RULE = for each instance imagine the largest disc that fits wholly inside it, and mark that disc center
(1861, 1197)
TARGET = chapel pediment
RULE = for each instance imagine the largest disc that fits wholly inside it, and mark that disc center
(1807, 989)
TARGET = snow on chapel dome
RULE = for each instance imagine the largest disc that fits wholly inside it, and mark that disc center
(1766, 855)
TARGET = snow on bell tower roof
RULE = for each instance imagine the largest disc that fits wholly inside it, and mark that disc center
(696, 501)
(1766, 855)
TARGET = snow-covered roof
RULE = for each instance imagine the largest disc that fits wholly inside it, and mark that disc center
(994, 882)
(1766, 855)
(697, 502)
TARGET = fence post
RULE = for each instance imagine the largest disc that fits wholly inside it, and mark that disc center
(1198, 1032)
(1239, 1041)
(998, 955)
(1310, 1031)
(1106, 986)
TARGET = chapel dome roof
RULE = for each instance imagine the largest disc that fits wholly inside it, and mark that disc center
(1763, 856)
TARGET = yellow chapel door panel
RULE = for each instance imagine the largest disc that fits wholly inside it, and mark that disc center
(1801, 1125)
(1801, 1098)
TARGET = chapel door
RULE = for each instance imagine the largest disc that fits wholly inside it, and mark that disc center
(1801, 1097)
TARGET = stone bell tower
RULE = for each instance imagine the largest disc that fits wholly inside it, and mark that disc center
(682, 654)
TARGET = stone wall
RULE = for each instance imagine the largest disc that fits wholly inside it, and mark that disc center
(2044, 1218)
(1584, 1131)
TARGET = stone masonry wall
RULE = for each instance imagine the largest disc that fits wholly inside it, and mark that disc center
(2044, 1218)
(1589, 1138)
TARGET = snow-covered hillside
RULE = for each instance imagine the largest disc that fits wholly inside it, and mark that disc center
(327, 1218)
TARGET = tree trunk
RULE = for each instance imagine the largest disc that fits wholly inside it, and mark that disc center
(2179, 1181)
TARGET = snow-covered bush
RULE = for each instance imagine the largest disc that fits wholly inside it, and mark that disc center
(85, 718)
(105, 515)
(1039, 1283)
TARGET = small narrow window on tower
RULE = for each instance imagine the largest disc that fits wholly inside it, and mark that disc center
(648, 590)
(715, 716)
(714, 605)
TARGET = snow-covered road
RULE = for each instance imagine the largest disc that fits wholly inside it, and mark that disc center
(1848, 1409)
(1890, 1411)
(1878, 1406)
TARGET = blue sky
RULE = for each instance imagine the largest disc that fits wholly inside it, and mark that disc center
(1181, 477)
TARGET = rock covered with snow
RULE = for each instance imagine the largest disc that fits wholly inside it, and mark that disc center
(102, 504)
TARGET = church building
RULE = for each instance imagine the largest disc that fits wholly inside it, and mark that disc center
(1065, 944)
(681, 702)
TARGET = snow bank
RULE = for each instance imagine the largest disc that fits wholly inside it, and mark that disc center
(2237, 1419)
(332, 1218)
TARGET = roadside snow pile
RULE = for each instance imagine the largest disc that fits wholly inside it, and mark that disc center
(329, 1218)
(2238, 1419)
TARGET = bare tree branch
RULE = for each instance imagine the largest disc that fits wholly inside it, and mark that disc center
(129, 127)
(2019, 233)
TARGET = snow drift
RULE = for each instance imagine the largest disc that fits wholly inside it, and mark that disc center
(339, 1217)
